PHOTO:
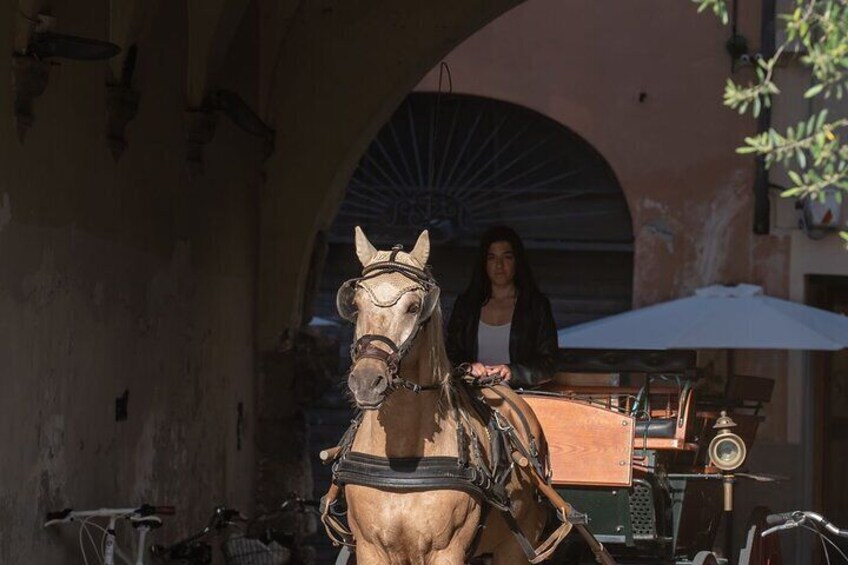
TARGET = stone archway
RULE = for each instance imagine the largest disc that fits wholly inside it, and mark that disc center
(354, 62)
(457, 164)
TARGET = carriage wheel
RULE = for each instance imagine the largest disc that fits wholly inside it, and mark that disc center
(759, 550)
(705, 558)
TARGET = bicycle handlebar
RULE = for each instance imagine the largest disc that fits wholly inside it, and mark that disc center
(58, 515)
(788, 520)
(221, 518)
(781, 518)
(143, 511)
(147, 510)
(296, 504)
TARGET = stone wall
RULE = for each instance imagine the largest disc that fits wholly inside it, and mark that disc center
(123, 278)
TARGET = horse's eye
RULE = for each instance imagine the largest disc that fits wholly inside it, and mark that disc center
(413, 308)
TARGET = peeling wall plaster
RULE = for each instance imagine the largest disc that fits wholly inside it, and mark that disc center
(661, 230)
(712, 233)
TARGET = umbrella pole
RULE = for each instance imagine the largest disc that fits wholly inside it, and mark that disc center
(730, 362)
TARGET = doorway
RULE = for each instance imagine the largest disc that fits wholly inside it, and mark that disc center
(829, 371)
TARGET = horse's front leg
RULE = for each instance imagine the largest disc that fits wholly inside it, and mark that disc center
(368, 554)
(446, 557)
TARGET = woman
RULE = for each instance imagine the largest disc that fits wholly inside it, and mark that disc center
(502, 324)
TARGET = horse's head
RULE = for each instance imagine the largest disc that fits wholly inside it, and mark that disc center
(389, 303)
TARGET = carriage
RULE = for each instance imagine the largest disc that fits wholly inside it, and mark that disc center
(452, 467)
(639, 445)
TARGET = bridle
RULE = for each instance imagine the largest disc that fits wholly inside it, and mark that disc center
(365, 347)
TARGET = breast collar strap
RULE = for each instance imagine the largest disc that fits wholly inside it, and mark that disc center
(469, 471)
(410, 474)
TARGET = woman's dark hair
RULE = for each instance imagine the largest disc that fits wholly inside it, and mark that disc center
(480, 288)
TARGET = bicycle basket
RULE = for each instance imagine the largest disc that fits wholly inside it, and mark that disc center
(247, 551)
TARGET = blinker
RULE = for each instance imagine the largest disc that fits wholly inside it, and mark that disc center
(385, 284)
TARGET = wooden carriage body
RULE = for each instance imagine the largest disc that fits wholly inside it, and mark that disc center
(628, 433)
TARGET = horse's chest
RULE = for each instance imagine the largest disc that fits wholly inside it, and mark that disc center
(413, 521)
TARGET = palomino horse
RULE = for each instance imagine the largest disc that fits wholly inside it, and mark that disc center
(417, 467)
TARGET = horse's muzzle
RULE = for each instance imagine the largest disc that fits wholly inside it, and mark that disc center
(369, 383)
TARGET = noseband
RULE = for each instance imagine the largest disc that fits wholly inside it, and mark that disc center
(365, 347)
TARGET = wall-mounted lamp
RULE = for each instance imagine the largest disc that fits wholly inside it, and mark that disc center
(202, 122)
(31, 68)
(818, 216)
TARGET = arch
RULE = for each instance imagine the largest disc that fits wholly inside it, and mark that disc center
(458, 164)
(326, 119)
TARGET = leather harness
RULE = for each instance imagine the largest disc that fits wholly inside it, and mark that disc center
(468, 472)
(483, 476)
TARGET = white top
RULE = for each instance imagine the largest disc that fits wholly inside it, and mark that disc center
(493, 344)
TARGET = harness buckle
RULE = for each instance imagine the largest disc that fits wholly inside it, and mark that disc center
(411, 386)
(501, 423)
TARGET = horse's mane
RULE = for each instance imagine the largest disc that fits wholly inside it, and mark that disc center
(434, 348)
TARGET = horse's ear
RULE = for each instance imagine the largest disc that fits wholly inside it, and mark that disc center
(421, 252)
(364, 250)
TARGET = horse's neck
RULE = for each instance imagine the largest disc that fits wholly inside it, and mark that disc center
(410, 424)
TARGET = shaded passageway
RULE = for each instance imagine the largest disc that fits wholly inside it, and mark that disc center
(456, 165)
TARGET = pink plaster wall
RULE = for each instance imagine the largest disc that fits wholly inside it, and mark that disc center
(585, 63)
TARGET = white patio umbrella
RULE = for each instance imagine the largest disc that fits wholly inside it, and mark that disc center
(716, 317)
(319, 322)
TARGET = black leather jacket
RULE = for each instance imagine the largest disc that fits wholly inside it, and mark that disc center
(532, 338)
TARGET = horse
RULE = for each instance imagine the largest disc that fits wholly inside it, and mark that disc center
(416, 422)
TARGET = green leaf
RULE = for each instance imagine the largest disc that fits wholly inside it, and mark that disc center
(814, 90)
(822, 117)
(746, 150)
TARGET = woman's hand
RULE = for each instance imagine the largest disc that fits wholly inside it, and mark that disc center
(501, 371)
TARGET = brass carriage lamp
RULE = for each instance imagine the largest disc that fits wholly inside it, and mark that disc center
(727, 452)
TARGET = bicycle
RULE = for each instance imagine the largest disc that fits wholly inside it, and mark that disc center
(810, 521)
(257, 543)
(143, 519)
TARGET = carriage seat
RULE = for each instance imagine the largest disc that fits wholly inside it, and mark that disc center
(656, 427)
